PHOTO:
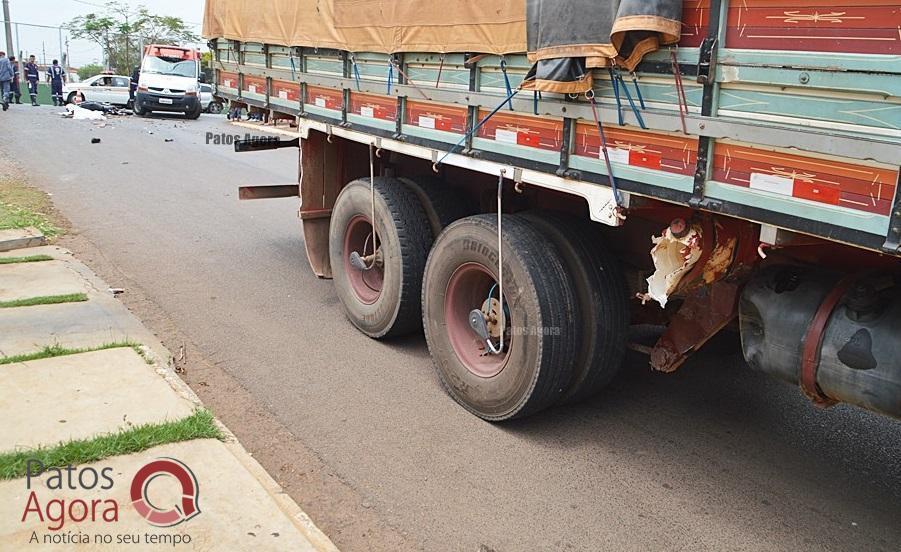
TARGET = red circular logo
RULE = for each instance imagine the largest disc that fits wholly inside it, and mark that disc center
(179, 513)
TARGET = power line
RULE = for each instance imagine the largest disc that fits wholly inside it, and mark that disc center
(133, 12)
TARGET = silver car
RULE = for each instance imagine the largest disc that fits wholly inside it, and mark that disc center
(208, 101)
(111, 89)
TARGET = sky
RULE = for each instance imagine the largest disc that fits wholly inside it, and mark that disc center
(42, 42)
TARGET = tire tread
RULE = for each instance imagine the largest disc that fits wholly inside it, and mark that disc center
(415, 238)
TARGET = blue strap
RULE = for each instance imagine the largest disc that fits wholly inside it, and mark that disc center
(353, 61)
(619, 104)
(625, 89)
(390, 76)
(507, 82)
(508, 99)
(535, 98)
(293, 69)
(635, 109)
(638, 90)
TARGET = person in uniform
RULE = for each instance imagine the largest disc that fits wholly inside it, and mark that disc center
(57, 77)
(6, 79)
(133, 85)
(32, 75)
(15, 92)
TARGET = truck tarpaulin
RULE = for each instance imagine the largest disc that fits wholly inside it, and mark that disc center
(565, 39)
(568, 38)
(384, 26)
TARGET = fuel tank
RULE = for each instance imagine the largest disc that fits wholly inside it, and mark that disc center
(860, 344)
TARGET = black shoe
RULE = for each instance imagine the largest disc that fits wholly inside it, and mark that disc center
(18, 101)
(5, 106)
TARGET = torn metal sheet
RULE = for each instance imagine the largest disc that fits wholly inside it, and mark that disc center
(673, 258)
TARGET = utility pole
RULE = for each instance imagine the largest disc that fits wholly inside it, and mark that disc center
(20, 55)
(9, 28)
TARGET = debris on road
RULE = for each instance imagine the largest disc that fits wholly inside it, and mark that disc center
(81, 114)
(95, 140)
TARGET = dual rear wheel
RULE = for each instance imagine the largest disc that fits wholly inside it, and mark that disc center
(556, 336)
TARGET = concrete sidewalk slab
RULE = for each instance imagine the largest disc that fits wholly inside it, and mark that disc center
(238, 510)
(20, 238)
(26, 280)
(84, 325)
(81, 396)
(50, 250)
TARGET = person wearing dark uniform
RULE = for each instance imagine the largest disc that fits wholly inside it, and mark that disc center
(57, 77)
(133, 85)
(32, 75)
(15, 92)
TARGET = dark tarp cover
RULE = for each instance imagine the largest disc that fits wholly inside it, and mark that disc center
(568, 38)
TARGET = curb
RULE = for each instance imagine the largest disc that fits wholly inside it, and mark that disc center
(286, 504)
(161, 361)
(10, 240)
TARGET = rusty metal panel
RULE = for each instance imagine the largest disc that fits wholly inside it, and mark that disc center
(246, 193)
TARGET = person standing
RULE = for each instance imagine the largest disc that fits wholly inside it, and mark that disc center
(32, 75)
(15, 92)
(57, 77)
(6, 78)
(133, 85)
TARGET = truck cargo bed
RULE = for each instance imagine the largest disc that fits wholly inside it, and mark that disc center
(793, 113)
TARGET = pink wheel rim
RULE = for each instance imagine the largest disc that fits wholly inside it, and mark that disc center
(468, 289)
(366, 285)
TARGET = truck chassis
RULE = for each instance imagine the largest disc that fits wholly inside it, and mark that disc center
(426, 183)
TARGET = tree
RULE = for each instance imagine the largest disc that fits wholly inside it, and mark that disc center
(88, 71)
(206, 66)
(123, 32)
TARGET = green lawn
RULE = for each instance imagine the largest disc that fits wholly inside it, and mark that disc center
(22, 206)
(44, 300)
(200, 425)
(52, 351)
(43, 94)
(22, 260)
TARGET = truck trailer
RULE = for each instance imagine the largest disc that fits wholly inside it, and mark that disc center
(523, 181)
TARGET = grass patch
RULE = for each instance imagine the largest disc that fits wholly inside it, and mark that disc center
(20, 260)
(52, 351)
(22, 206)
(200, 425)
(44, 300)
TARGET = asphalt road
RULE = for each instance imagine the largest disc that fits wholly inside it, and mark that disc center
(714, 457)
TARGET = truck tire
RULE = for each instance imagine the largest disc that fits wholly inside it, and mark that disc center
(602, 302)
(442, 205)
(536, 364)
(385, 301)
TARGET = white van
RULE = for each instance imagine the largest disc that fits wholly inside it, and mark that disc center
(169, 81)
